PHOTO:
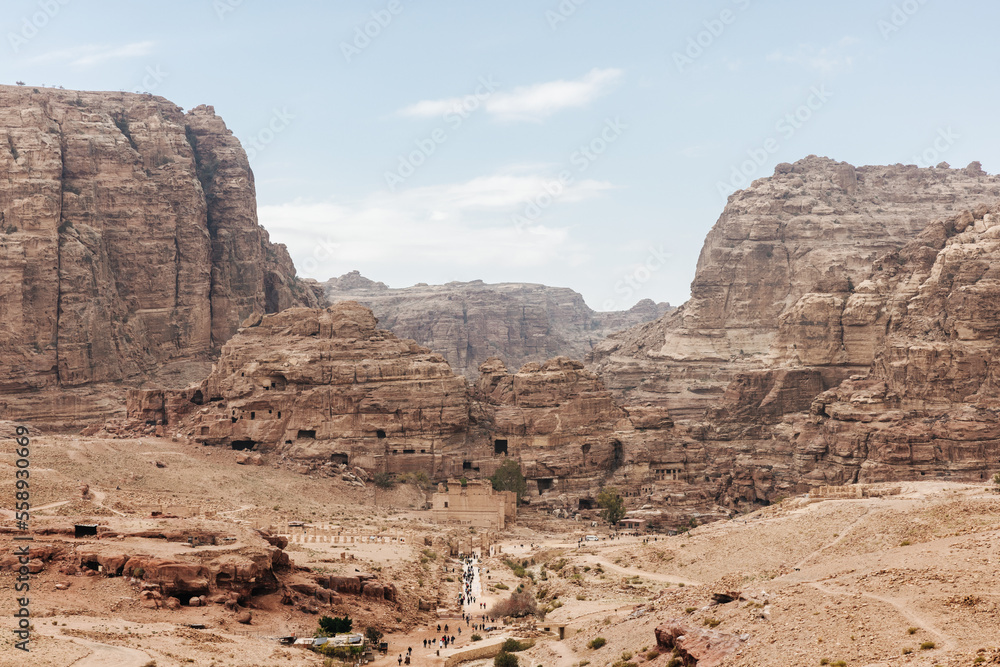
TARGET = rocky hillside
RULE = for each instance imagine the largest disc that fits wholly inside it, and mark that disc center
(470, 322)
(128, 241)
(774, 276)
(841, 330)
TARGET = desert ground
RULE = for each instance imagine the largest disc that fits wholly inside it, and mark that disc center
(904, 579)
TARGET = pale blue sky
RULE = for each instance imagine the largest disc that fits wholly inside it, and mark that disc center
(885, 79)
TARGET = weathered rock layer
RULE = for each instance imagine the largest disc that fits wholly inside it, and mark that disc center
(470, 322)
(128, 241)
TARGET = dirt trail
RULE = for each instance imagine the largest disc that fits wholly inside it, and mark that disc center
(843, 534)
(106, 655)
(947, 642)
(666, 578)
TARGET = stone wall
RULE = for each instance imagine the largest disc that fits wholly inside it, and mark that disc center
(475, 503)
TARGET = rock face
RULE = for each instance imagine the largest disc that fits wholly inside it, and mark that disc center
(558, 420)
(773, 277)
(326, 386)
(817, 275)
(696, 646)
(470, 322)
(930, 403)
(128, 240)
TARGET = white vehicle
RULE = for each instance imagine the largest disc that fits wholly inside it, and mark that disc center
(592, 538)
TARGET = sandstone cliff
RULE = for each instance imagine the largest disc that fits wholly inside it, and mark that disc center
(823, 273)
(128, 241)
(324, 386)
(470, 322)
(774, 276)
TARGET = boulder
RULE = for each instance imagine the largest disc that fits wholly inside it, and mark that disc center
(696, 646)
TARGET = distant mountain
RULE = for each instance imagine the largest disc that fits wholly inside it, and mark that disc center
(470, 322)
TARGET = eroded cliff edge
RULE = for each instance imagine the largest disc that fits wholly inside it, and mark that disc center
(470, 322)
(129, 245)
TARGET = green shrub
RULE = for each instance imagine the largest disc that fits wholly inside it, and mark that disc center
(927, 646)
(504, 659)
(502, 587)
(517, 568)
(712, 622)
(911, 630)
(334, 626)
(597, 642)
(476, 637)
(512, 646)
(383, 480)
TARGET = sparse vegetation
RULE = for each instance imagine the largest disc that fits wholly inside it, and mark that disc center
(612, 505)
(518, 605)
(509, 477)
(512, 646)
(335, 625)
(383, 480)
(597, 642)
(926, 646)
(504, 659)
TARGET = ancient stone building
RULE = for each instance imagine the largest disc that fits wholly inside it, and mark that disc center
(474, 503)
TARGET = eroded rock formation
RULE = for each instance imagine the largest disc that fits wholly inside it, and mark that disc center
(470, 322)
(774, 275)
(323, 385)
(817, 275)
(128, 242)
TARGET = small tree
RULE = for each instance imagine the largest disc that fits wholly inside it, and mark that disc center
(374, 636)
(334, 626)
(508, 477)
(383, 480)
(611, 504)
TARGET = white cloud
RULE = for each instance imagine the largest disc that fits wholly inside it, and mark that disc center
(825, 59)
(527, 103)
(464, 225)
(89, 55)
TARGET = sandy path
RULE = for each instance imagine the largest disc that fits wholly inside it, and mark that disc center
(666, 578)
(837, 540)
(105, 655)
(567, 658)
(905, 611)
